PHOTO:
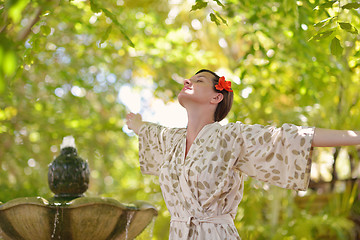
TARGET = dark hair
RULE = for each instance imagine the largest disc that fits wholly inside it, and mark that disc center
(223, 107)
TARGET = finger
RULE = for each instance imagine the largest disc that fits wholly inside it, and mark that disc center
(129, 115)
(128, 119)
(128, 123)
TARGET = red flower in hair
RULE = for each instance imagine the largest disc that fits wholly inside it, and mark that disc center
(223, 85)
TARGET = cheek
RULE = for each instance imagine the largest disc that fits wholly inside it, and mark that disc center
(205, 89)
(207, 92)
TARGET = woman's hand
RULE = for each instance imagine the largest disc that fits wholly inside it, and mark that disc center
(134, 122)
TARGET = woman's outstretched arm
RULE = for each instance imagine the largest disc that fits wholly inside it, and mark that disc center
(134, 122)
(333, 138)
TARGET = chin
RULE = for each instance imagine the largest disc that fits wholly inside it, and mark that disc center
(184, 99)
(181, 99)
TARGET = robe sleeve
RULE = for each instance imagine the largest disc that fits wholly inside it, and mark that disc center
(152, 147)
(279, 156)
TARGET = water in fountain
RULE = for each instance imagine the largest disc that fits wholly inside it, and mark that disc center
(129, 217)
(148, 233)
(68, 141)
(56, 220)
(151, 228)
(74, 216)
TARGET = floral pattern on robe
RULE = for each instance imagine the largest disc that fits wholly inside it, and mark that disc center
(203, 190)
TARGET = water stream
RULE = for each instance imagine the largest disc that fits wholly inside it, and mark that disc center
(129, 217)
(148, 232)
(151, 228)
(57, 220)
(67, 192)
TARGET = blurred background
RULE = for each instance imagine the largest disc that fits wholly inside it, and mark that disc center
(78, 67)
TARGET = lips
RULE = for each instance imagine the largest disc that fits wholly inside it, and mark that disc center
(185, 88)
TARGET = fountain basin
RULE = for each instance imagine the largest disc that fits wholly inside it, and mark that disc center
(90, 218)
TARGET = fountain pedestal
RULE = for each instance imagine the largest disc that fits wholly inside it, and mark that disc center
(82, 218)
(68, 216)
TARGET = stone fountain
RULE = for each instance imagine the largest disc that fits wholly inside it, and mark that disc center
(69, 215)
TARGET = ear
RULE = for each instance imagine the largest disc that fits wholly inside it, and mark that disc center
(217, 98)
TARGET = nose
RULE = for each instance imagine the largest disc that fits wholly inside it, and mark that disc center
(187, 82)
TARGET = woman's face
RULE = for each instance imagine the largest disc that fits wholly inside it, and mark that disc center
(199, 89)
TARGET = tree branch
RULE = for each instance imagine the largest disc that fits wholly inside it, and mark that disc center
(26, 31)
(5, 25)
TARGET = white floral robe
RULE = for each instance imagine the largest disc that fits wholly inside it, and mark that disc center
(203, 190)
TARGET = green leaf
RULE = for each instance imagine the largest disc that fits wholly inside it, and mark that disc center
(345, 26)
(199, 5)
(324, 22)
(116, 22)
(326, 25)
(16, 9)
(327, 4)
(353, 5)
(106, 34)
(335, 47)
(221, 18)
(219, 3)
(94, 6)
(348, 27)
(214, 19)
(321, 35)
(45, 30)
(9, 63)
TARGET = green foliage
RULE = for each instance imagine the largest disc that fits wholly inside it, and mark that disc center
(333, 24)
(215, 15)
(336, 48)
(95, 7)
(199, 4)
(353, 5)
(62, 64)
(319, 220)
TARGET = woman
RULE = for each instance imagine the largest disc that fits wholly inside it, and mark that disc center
(201, 168)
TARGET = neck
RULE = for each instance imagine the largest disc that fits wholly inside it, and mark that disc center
(197, 119)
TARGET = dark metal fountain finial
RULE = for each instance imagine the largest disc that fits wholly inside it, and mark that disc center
(68, 175)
